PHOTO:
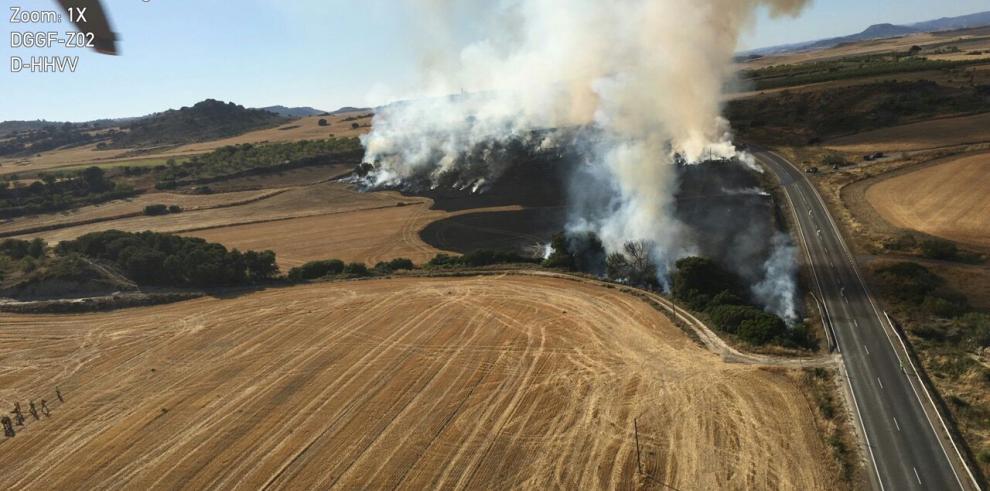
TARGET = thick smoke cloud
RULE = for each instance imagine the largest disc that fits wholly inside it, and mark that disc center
(646, 75)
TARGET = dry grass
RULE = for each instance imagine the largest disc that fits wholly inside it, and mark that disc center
(948, 200)
(479, 383)
(301, 129)
(133, 205)
(943, 132)
(368, 235)
(319, 199)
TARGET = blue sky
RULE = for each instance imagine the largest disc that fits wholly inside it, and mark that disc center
(322, 53)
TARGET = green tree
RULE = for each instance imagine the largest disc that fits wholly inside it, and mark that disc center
(36, 248)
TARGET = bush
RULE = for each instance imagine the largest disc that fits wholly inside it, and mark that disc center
(479, 258)
(729, 317)
(356, 269)
(561, 256)
(169, 260)
(316, 269)
(15, 248)
(939, 249)
(762, 329)
(155, 210)
(36, 248)
(835, 160)
(906, 281)
(174, 209)
(945, 304)
(323, 122)
(260, 265)
(697, 280)
(386, 267)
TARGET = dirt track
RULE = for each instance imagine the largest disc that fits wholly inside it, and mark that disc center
(489, 382)
(949, 199)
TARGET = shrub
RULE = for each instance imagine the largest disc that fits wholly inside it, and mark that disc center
(396, 264)
(401, 263)
(15, 248)
(316, 269)
(945, 304)
(323, 122)
(939, 249)
(165, 259)
(174, 209)
(697, 280)
(561, 256)
(906, 281)
(356, 269)
(762, 329)
(155, 210)
(441, 260)
(36, 248)
(479, 258)
(260, 265)
(835, 160)
(729, 317)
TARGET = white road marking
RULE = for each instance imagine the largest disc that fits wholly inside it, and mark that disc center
(879, 382)
(897, 425)
(916, 476)
(867, 349)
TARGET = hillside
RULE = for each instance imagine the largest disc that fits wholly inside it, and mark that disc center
(206, 120)
(294, 112)
(881, 31)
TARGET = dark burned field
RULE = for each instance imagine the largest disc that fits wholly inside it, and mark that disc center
(726, 211)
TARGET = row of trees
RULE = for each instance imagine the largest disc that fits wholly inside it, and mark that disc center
(60, 192)
(170, 260)
(235, 159)
(334, 267)
(702, 284)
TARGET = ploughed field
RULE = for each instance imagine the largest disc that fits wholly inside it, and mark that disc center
(948, 199)
(481, 383)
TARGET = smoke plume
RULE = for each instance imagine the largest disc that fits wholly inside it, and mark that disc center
(645, 76)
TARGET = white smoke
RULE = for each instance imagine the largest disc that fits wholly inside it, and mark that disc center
(778, 289)
(646, 75)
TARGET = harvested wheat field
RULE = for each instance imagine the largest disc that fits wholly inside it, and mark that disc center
(318, 199)
(362, 235)
(469, 383)
(135, 205)
(949, 199)
(935, 133)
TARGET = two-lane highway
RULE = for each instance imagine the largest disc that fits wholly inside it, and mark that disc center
(907, 446)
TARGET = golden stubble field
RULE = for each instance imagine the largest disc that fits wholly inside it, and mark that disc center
(305, 223)
(471, 383)
(948, 199)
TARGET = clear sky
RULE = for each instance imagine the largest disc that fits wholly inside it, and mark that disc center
(321, 53)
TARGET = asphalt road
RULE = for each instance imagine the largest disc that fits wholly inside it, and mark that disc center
(907, 449)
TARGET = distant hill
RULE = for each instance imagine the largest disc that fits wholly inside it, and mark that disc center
(881, 31)
(8, 128)
(349, 109)
(206, 120)
(979, 19)
(294, 112)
